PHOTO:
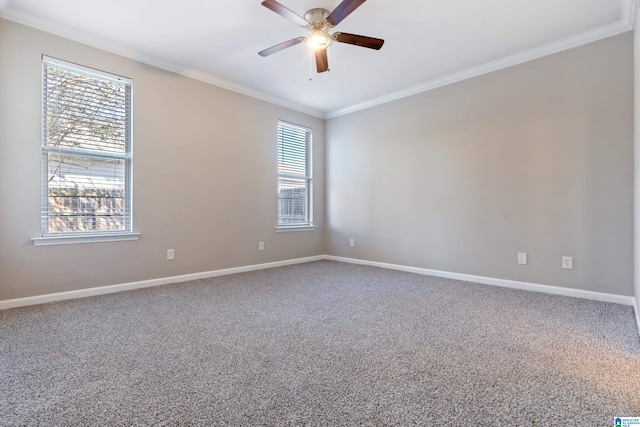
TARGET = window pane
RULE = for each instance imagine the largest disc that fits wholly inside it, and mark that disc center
(292, 153)
(86, 194)
(294, 175)
(86, 147)
(292, 201)
(85, 112)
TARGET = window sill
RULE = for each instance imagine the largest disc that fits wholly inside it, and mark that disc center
(83, 238)
(285, 228)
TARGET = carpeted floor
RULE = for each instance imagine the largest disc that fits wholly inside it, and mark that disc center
(323, 343)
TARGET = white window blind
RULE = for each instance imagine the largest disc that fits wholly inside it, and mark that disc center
(295, 189)
(86, 150)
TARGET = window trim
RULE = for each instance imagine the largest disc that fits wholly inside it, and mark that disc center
(71, 237)
(74, 238)
(308, 177)
(285, 228)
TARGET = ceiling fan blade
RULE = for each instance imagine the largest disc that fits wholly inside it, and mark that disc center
(343, 10)
(322, 62)
(364, 41)
(287, 13)
(281, 46)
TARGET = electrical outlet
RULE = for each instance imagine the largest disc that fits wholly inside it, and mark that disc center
(261, 246)
(170, 254)
(352, 242)
(522, 258)
(567, 262)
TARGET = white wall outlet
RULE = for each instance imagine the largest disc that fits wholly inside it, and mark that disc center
(352, 242)
(522, 258)
(170, 254)
(567, 262)
(261, 246)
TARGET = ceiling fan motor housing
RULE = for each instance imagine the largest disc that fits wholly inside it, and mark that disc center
(315, 17)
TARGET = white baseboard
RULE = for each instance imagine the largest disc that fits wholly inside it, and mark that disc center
(555, 290)
(110, 289)
(102, 290)
(635, 306)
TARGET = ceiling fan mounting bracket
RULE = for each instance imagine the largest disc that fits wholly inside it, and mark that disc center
(316, 17)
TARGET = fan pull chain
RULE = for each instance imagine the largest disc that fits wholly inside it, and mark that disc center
(310, 64)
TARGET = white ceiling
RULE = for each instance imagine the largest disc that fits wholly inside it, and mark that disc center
(428, 43)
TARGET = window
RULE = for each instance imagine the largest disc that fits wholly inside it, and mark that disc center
(86, 151)
(295, 189)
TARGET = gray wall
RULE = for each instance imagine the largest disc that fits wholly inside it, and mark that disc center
(204, 176)
(636, 51)
(536, 158)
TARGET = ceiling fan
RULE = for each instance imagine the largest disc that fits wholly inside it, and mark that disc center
(318, 22)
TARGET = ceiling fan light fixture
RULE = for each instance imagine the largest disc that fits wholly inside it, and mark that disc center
(319, 40)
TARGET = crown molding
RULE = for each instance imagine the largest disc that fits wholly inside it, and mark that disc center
(96, 42)
(629, 9)
(506, 62)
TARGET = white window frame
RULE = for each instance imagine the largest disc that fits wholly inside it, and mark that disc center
(72, 237)
(307, 178)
